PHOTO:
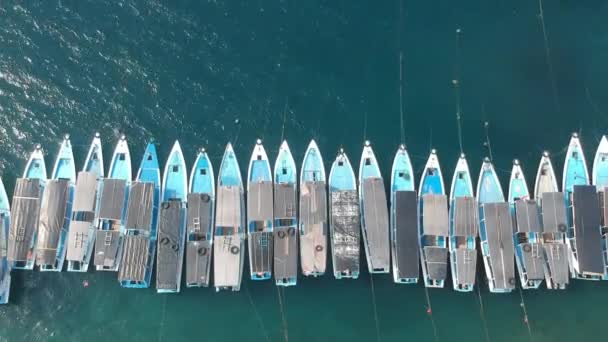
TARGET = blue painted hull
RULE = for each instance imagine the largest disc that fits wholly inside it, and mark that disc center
(5, 267)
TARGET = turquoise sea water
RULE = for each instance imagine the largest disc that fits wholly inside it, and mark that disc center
(209, 72)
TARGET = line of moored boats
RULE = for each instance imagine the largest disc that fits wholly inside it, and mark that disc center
(116, 222)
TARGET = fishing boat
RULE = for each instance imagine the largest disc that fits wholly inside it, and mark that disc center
(581, 233)
(25, 212)
(600, 180)
(313, 213)
(374, 213)
(172, 223)
(260, 214)
(139, 246)
(464, 228)
(344, 218)
(553, 212)
(5, 266)
(81, 235)
(285, 218)
(529, 256)
(200, 221)
(404, 220)
(56, 210)
(434, 226)
(113, 209)
(495, 231)
(230, 234)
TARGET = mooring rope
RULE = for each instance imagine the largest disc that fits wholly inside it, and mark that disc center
(541, 16)
(456, 83)
(257, 315)
(482, 311)
(429, 311)
(375, 306)
(280, 295)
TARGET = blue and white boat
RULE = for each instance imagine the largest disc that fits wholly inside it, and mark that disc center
(344, 218)
(26, 203)
(285, 218)
(546, 180)
(5, 266)
(527, 234)
(495, 231)
(600, 180)
(260, 217)
(575, 173)
(374, 213)
(113, 209)
(230, 234)
(141, 225)
(200, 222)
(313, 213)
(553, 212)
(81, 235)
(433, 229)
(172, 226)
(56, 211)
(464, 228)
(404, 220)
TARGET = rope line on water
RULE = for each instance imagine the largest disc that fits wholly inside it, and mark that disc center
(375, 306)
(429, 311)
(487, 143)
(284, 118)
(525, 311)
(257, 315)
(456, 84)
(401, 111)
(541, 16)
(482, 311)
(280, 295)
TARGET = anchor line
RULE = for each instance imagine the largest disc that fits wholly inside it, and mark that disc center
(430, 313)
(541, 16)
(401, 111)
(284, 118)
(487, 143)
(257, 315)
(456, 83)
(525, 311)
(365, 126)
(280, 295)
(375, 306)
(482, 312)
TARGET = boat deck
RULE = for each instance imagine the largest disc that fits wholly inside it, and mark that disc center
(168, 258)
(108, 241)
(376, 232)
(313, 228)
(82, 228)
(498, 248)
(588, 251)
(52, 216)
(346, 233)
(405, 238)
(133, 266)
(260, 218)
(228, 253)
(285, 237)
(24, 222)
(465, 230)
(434, 231)
(200, 238)
(529, 252)
(135, 252)
(556, 251)
(603, 198)
(140, 207)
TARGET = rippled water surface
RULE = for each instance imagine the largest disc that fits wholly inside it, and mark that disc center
(209, 72)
